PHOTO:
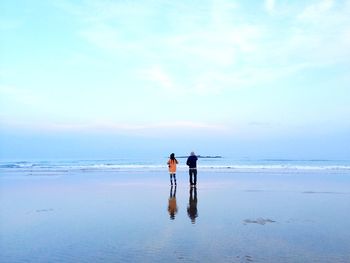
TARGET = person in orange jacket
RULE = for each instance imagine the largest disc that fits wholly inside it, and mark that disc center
(172, 168)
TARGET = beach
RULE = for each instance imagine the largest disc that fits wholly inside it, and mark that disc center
(101, 100)
(122, 216)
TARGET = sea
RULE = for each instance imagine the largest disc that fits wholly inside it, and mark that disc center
(126, 210)
(158, 163)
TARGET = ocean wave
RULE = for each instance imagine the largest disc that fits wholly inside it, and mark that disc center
(278, 167)
(147, 167)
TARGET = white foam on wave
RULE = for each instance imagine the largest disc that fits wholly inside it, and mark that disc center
(278, 167)
(157, 167)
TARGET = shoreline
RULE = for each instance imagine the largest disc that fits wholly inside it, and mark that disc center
(182, 168)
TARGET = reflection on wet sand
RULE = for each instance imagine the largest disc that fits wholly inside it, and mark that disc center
(172, 206)
(192, 205)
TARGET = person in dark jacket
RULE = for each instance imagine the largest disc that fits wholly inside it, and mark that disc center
(192, 164)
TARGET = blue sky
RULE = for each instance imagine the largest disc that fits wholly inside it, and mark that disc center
(242, 78)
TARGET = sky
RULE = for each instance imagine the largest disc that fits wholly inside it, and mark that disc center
(102, 78)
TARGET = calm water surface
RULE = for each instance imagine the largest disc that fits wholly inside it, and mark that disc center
(139, 217)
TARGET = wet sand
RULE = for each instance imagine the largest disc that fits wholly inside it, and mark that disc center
(130, 217)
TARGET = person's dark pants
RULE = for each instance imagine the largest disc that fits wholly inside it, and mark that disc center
(171, 178)
(193, 176)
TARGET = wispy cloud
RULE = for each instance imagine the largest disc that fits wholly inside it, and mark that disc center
(162, 79)
(270, 6)
(10, 24)
(315, 12)
(148, 129)
(108, 39)
(24, 97)
(228, 49)
(322, 33)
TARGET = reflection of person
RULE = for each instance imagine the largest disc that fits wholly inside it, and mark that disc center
(172, 207)
(192, 205)
(172, 168)
(192, 164)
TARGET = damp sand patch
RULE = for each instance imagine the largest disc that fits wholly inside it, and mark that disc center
(259, 221)
(44, 210)
(322, 192)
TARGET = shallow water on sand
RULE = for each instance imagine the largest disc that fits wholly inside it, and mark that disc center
(138, 217)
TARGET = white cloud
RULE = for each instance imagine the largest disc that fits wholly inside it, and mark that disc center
(6, 24)
(108, 39)
(103, 37)
(322, 33)
(219, 47)
(149, 129)
(270, 6)
(316, 11)
(188, 125)
(161, 78)
(214, 46)
(25, 97)
(200, 84)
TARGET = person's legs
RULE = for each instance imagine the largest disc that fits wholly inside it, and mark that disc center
(171, 178)
(171, 192)
(195, 176)
(191, 195)
(190, 174)
(174, 178)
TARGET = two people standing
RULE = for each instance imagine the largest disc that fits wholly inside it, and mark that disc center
(192, 203)
(192, 164)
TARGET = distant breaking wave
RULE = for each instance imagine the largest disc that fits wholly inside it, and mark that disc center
(218, 165)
